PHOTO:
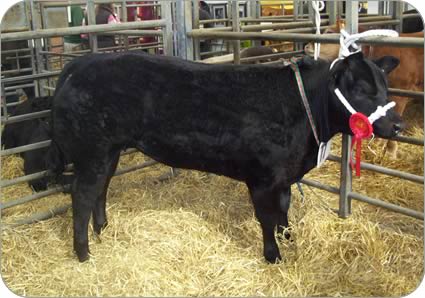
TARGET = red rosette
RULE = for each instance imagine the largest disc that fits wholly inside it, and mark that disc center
(361, 128)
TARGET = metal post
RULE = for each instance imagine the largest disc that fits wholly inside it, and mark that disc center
(340, 8)
(184, 26)
(91, 20)
(332, 7)
(345, 179)
(236, 28)
(195, 25)
(254, 12)
(381, 8)
(167, 30)
(352, 24)
(397, 14)
(352, 16)
(124, 18)
(36, 24)
(296, 9)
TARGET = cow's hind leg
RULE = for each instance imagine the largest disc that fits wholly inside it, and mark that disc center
(267, 211)
(99, 210)
(284, 203)
(88, 185)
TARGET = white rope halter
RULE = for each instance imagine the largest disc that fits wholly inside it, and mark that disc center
(348, 44)
(317, 7)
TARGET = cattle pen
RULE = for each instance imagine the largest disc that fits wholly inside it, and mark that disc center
(212, 234)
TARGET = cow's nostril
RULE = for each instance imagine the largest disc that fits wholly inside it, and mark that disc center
(398, 127)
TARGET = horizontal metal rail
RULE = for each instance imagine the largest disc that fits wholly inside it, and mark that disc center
(43, 33)
(329, 38)
(383, 170)
(14, 71)
(407, 93)
(291, 25)
(386, 205)
(408, 140)
(25, 148)
(59, 188)
(25, 117)
(40, 216)
(42, 174)
(32, 197)
(136, 32)
(37, 76)
(319, 185)
(23, 179)
(15, 51)
(50, 3)
(271, 56)
(18, 86)
(366, 199)
(411, 15)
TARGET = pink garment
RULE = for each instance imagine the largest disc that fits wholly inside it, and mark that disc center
(113, 19)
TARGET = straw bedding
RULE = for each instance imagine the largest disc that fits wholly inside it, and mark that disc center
(196, 235)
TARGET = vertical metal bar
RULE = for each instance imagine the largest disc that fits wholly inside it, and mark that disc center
(188, 21)
(124, 18)
(47, 46)
(255, 12)
(4, 105)
(310, 11)
(381, 9)
(296, 8)
(352, 16)
(167, 30)
(195, 25)
(184, 26)
(236, 28)
(345, 179)
(352, 24)
(397, 14)
(340, 8)
(36, 24)
(332, 7)
(91, 20)
(28, 14)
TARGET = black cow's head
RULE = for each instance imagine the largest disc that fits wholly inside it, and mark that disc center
(363, 82)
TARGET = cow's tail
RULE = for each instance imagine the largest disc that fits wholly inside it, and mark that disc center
(55, 162)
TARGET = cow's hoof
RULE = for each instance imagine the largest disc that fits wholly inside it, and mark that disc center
(97, 228)
(82, 251)
(283, 235)
(272, 255)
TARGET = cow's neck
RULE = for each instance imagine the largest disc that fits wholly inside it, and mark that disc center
(316, 78)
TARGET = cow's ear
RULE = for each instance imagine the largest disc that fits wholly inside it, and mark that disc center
(387, 63)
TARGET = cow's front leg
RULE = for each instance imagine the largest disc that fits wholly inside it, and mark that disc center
(267, 211)
(284, 203)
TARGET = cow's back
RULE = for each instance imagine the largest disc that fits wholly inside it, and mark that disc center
(190, 114)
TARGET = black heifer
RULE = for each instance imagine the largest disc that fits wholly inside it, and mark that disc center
(246, 122)
(28, 132)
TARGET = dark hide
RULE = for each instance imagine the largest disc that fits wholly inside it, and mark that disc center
(411, 25)
(28, 132)
(246, 122)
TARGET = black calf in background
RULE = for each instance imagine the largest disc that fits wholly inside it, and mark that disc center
(28, 132)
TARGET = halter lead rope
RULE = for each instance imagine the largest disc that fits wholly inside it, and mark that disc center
(296, 69)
